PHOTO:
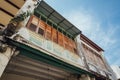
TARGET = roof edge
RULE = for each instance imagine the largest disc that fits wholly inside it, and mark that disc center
(90, 42)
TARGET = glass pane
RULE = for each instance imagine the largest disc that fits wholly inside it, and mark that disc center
(32, 27)
(41, 31)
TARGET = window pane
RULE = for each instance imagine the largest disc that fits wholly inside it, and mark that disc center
(41, 31)
(32, 27)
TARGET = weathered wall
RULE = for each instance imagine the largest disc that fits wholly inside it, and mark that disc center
(4, 59)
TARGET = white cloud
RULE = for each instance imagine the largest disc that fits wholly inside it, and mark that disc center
(92, 28)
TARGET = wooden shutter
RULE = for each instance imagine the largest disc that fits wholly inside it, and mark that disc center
(42, 24)
(48, 32)
(34, 20)
(54, 35)
(66, 42)
(60, 39)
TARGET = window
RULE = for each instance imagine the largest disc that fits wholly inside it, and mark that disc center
(41, 26)
(34, 20)
(41, 31)
(32, 24)
(32, 27)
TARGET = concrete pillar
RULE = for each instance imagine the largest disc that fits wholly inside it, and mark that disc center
(85, 77)
(92, 78)
(72, 77)
(4, 58)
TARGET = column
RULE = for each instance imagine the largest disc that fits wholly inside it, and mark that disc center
(4, 59)
(85, 77)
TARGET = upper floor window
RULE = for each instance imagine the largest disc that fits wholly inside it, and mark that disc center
(32, 27)
(32, 24)
(52, 32)
(41, 29)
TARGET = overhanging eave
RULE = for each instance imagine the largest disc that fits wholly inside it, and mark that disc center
(40, 56)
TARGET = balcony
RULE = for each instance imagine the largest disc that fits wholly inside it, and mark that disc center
(47, 38)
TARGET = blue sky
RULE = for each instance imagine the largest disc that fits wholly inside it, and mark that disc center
(99, 20)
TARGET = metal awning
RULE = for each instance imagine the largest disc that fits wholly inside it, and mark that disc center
(53, 15)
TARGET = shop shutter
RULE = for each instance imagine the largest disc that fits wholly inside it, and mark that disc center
(54, 35)
(48, 32)
(60, 39)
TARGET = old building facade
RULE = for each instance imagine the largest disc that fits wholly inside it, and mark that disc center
(40, 44)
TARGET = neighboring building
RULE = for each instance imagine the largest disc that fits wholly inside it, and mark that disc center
(116, 70)
(46, 46)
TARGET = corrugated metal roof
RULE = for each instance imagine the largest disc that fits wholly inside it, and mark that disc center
(53, 15)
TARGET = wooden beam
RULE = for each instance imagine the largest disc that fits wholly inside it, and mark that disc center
(4, 17)
(12, 4)
(8, 7)
(10, 14)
